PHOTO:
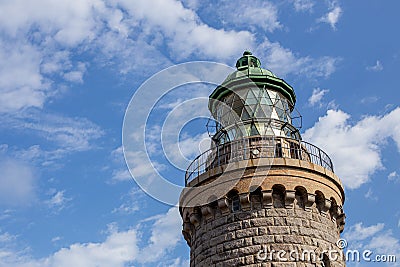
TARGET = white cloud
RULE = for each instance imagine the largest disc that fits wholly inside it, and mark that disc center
(333, 16)
(377, 67)
(76, 75)
(184, 33)
(7, 237)
(355, 149)
(373, 238)
(369, 99)
(120, 175)
(131, 202)
(394, 176)
(317, 96)
(21, 83)
(5, 214)
(358, 232)
(303, 5)
(179, 262)
(70, 24)
(165, 234)
(141, 167)
(370, 195)
(386, 243)
(56, 239)
(120, 172)
(120, 248)
(283, 61)
(33, 37)
(41, 44)
(260, 14)
(41, 39)
(70, 134)
(58, 201)
(36, 155)
(17, 183)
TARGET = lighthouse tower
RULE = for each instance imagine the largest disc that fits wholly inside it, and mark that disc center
(260, 196)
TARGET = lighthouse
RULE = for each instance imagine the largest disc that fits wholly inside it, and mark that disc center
(261, 195)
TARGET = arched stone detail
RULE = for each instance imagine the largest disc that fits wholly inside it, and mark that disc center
(278, 196)
(207, 212)
(187, 232)
(334, 211)
(223, 205)
(195, 217)
(256, 198)
(290, 196)
(267, 198)
(301, 197)
(341, 220)
(323, 204)
(310, 201)
(245, 201)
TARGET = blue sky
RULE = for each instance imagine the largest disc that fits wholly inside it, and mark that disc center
(68, 70)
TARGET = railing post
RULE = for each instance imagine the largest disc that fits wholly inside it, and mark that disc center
(300, 151)
(218, 155)
(244, 149)
(320, 158)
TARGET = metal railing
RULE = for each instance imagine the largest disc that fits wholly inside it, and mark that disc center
(253, 148)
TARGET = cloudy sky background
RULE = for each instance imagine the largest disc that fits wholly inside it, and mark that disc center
(68, 70)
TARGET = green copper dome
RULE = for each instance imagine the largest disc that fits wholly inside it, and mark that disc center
(249, 72)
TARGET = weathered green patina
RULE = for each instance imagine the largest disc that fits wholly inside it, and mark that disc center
(249, 72)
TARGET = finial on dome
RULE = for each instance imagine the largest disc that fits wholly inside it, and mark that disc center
(247, 60)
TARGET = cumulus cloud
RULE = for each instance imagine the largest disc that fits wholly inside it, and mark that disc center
(21, 83)
(165, 234)
(120, 248)
(185, 33)
(356, 149)
(41, 44)
(31, 40)
(283, 61)
(317, 96)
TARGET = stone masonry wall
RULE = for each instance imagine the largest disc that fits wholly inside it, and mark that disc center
(236, 238)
